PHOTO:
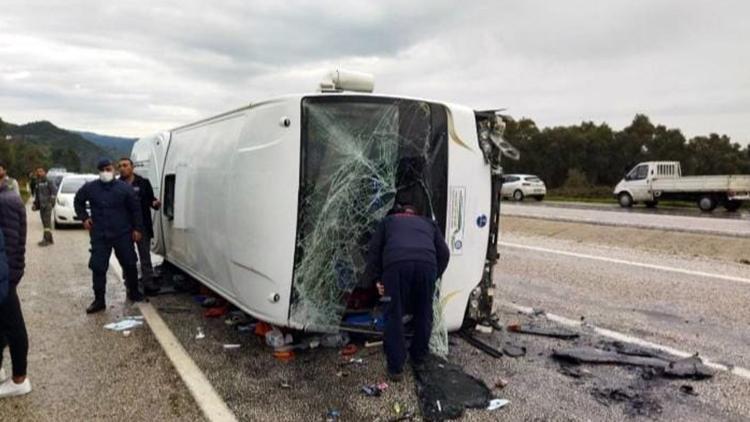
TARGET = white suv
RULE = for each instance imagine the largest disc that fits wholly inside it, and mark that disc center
(520, 186)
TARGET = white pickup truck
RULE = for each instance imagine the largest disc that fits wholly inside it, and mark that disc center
(652, 181)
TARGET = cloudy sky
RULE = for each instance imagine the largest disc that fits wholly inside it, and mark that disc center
(132, 68)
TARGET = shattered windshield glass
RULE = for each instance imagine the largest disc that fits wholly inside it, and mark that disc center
(356, 152)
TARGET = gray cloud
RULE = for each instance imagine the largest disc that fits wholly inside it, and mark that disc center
(132, 68)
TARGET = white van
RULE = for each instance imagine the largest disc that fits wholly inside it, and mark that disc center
(271, 205)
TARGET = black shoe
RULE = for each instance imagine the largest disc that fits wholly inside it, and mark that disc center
(134, 295)
(395, 376)
(97, 305)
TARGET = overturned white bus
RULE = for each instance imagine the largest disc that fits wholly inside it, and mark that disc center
(271, 205)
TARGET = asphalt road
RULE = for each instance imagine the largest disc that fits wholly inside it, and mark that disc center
(82, 372)
(737, 224)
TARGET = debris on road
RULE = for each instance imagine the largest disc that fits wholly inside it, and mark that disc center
(556, 332)
(445, 391)
(637, 403)
(232, 346)
(688, 389)
(497, 404)
(127, 323)
(200, 335)
(692, 367)
(333, 415)
(513, 350)
(375, 390)
(501, 383)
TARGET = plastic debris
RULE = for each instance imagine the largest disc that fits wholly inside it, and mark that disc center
(262, 328)
(200, 334)
(275, 338)
(336, 340)
(556, 332)
(283, 355)
(688, 389)
(355, 361)
(397, 408)
(349, 350)
(497, 404)
(285, 385)
(333, 415)
(232, 346)
(501, 383)
(126, 333)
(691, 367)
(446, 391)
(216, 312)
(124, 324)
(375, 390)
(369, 344)
(513, 350)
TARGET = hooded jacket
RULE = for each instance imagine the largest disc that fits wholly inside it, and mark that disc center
(13, 226)
(3, 270)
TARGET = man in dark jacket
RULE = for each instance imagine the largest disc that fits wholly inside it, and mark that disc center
(44, 201)
(12, 326)
(406, 255)
(148, 201)
(115, 223)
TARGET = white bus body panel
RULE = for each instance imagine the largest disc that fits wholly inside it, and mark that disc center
(148, 156)
(236, 201)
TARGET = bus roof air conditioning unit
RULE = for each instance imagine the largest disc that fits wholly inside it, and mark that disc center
(347, 80)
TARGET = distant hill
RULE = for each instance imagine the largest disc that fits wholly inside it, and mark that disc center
(118, 146)
(57, 146)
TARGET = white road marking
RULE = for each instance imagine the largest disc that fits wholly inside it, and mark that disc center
(626, 262)
(614, 335)
(204, 394)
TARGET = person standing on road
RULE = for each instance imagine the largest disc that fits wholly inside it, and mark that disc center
(115, 223)
(7, 180)
(44, 201)
(147, 201)
(406, 255)
(12, 326)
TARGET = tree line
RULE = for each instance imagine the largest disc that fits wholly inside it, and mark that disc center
(592, 157)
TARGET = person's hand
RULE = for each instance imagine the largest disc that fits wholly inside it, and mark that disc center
(156, 204)
(137, 236)
(381, 288)
(88, 224)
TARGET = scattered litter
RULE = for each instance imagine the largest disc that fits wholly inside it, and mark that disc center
(556, 332)
(126, 333)
(537, 312)
(285, 385)
(349, 350)
(200, 334)
(216, 312)
(245, 328)
(333, 415)
(407, 416)
(125, 324)
(501, 383)
(691, 367)
(486, 329)
(342, 374)
(355, 361)
(283, 355)
(209, 302)
(375, 390)
(479, 344)
(574, 371)
(369, 344)
(275, 338)
(637, 404)
(262, 328)
(231, 346)
(397, 408)
(445, 390)
(335, 340)
(688, 389)
(514, 351)
(497, 404)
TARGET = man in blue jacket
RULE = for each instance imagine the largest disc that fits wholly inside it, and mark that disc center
(406, 255)
(115, 223)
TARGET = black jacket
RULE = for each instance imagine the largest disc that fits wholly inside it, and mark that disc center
(4, 285)
(406, 237)
(13, 225)
(146, 198)
(115, 210)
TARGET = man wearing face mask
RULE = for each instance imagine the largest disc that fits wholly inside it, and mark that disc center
(115, 223)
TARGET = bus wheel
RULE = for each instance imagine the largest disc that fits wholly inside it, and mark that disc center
(625, 200)
(707, 203)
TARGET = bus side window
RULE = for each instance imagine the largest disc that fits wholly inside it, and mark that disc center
(169, 181)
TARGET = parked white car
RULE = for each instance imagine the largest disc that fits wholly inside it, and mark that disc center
(520, 186)
(64, 213)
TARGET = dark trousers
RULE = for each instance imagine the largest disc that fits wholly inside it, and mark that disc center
(101, 249)
(13, 333)
(144, 257)
(46, 214)
(410, 286)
